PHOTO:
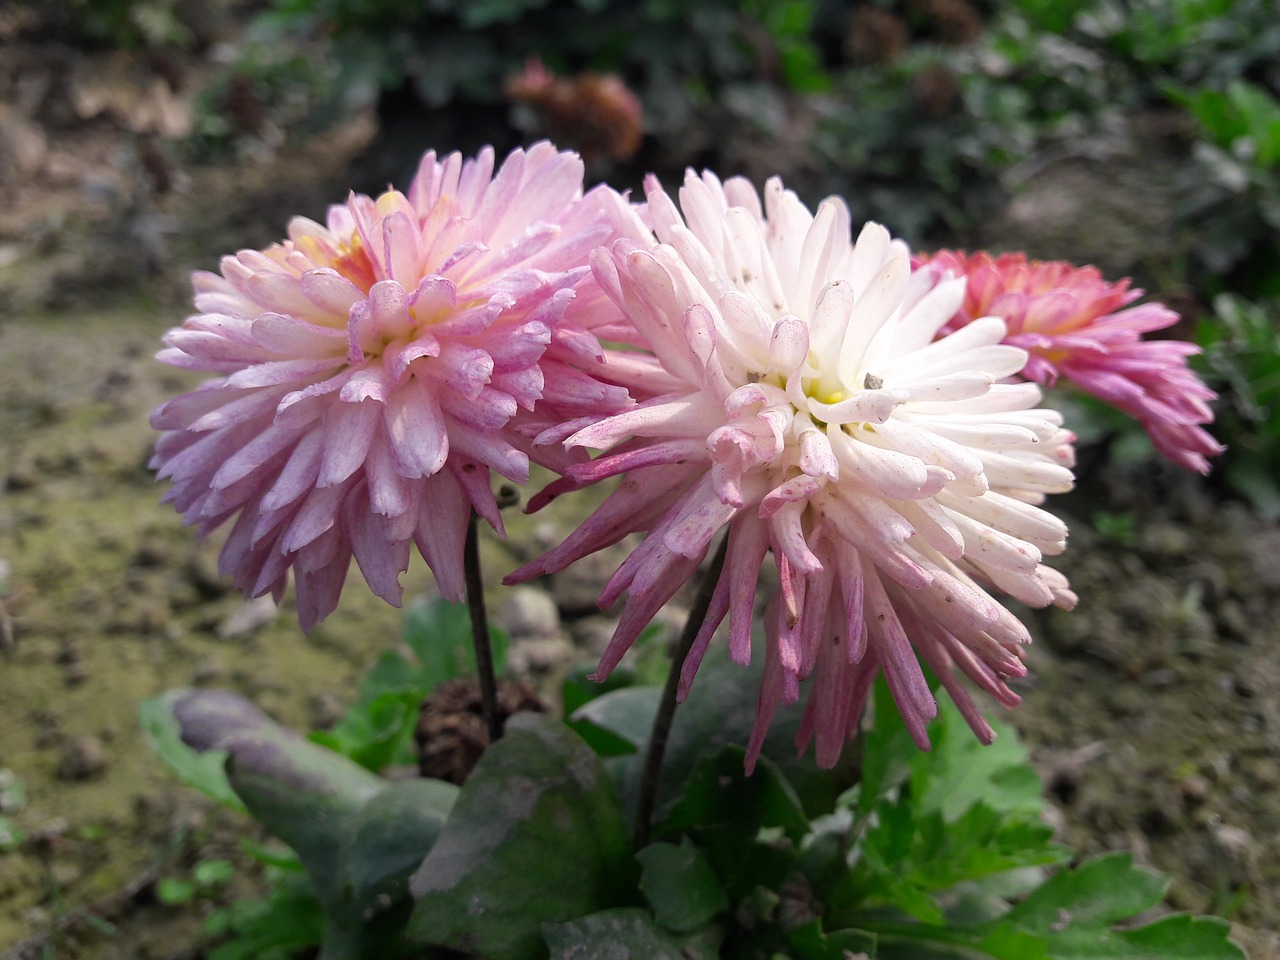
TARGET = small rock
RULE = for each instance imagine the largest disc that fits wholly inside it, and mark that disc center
(1194, 788)
(529, 612)
(577, 588)
(207, 670)
(540, 655)
(592, 634)
(326, 710)
(152, 552)
(20, 478)
(70, 651)
(249, 618)
(23, 145)
(83, 758)
(202, 572)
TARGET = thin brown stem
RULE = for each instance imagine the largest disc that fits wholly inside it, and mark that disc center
(667, 705)
(480, 631)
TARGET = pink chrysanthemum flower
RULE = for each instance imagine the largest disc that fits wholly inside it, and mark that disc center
(372, 371)
(1075, 325)
(803, 402)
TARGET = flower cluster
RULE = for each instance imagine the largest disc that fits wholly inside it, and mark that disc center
(1077, 326)
(813, 397)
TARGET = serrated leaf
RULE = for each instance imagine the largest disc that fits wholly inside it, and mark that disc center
(1181, 937)
(680, 885)
(886, 750)
(535, 837)
(810, 942)
(960, 771)
(627, 933)
(202, 770)
(1099, 892)
(375, 734)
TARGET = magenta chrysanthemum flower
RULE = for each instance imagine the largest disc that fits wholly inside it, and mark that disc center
(802, 400)
(1080, 327)
(372, 371)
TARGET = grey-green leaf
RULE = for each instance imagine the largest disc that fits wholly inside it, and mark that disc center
(627, 934)
(680, 885)
(535, 837)
(202, 770)
(306, 795)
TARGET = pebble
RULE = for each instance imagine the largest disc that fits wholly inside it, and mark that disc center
(1194, 788)
(577, 588)
(248, 618)
(592, 634)
(83, 758)
(529, 612)
(207, 670)
(541, 655)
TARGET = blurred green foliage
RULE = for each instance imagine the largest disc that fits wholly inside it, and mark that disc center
(1242, 360)
(132, 24)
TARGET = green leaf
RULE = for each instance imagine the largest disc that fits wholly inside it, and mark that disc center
(377, 733)
(173, 892)
(280, 927)
(887, 750)
(209, 874)
(391, 673)
(390, 837)
(627, 933)
(578, 689)
(535, 837)
(680, 885)
(306, 795)
(749, 827)
(720, 711)
(202, 770)
(811, 942)
(439, 634)
(719, 793)
(358, 836)
(272, 855)
(959, 771)
(626, 715)
(1181, 937)
(11, 835)
(1097, 893)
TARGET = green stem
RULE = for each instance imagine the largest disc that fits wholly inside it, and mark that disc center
(480, 631)
(667, 706)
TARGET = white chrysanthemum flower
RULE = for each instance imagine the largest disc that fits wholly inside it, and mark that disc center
(800, 398)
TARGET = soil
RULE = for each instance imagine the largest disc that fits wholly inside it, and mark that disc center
(1153, 710)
